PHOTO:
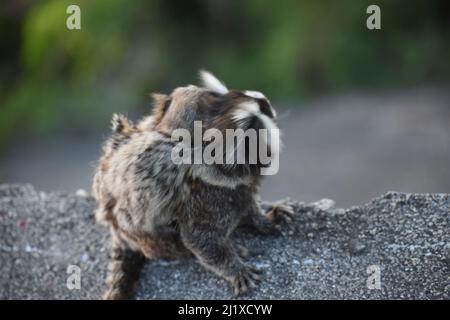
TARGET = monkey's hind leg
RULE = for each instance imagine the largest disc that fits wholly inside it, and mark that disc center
(123, 271)
(164, 243)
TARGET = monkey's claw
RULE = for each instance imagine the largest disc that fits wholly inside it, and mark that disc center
(281, 213)
(246, 278)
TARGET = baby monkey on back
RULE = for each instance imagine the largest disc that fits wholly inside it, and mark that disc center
(156, 208)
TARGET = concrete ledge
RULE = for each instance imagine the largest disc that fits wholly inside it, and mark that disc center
(324, 253)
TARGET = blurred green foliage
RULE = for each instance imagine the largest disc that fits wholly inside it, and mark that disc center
(56, 80)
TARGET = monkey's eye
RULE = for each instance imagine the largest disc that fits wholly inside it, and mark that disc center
(265, 108)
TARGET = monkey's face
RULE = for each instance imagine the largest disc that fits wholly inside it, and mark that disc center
(215, 109)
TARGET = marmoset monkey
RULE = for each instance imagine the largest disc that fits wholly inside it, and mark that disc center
(160, 209)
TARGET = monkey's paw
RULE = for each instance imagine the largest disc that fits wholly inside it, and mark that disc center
(247, 277)
(280, 213)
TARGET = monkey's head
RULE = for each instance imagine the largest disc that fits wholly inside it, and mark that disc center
(246, 117)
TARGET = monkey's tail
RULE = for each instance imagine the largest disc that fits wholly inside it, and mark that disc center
(123, 273)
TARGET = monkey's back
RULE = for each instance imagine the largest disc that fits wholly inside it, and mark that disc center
(138, 186)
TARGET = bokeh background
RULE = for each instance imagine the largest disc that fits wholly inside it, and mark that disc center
(362, 111)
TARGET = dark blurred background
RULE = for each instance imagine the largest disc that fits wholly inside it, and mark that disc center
(362, 111)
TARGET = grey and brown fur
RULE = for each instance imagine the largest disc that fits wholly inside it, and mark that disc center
(158, 209)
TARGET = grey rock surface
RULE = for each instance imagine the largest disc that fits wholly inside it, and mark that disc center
(324, 254)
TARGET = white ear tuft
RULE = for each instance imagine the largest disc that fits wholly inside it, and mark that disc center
(212, 83)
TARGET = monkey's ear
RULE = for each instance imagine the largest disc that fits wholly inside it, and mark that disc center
(120, 124)
(161, 103)
(210, 82)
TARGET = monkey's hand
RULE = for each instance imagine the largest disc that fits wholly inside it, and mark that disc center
(269, 219)
(247, 277)
(279, 213)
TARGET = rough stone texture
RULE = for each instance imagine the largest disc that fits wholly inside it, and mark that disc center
(323, 254)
